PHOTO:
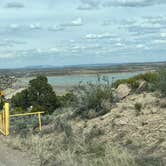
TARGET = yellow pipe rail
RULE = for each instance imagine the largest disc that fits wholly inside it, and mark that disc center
(31, 113)
(5, 119)
(26, 114)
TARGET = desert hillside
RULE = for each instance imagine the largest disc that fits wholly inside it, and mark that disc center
(122, 124)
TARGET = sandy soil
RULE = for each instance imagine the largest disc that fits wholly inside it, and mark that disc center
(12, 157)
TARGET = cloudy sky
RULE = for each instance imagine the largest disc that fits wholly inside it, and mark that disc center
(68, 32)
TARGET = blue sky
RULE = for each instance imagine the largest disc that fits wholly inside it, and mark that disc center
(61, 32)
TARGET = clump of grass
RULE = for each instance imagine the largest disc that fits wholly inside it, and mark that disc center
(149, 161)
(138, 108)
(129, 142)
(62, 125)
(95, 132)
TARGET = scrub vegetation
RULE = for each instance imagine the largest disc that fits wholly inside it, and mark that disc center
(90, 126)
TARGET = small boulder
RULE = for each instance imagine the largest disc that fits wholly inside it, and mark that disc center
(122, 91)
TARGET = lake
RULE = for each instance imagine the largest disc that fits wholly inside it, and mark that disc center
(76, 79)
(71, 80)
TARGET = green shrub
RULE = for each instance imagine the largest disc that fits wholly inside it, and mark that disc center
(61, 125)
(38, 108)
(138, 107)
(150, 78)
(69, 99)
(98, 150)
(91, 98)
(21, 100)
(129, 142)
(162, 82)
(2, 101)
(155, 80)
(18, 110)
(19, 127)
(46, 119)
(94, 133)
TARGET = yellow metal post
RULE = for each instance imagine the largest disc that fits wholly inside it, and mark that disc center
(7, 119)
(40, 125)
(3, 119)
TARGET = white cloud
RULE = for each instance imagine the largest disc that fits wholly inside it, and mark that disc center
(140, 46)
(7, 55)
(35, 26)
(89, 4)
(14, 26)
(77, 22)
(159, 41)
(163, 34)
(99, 36)
(120, 44)
(54, 50)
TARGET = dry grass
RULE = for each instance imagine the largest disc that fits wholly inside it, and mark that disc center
(51, 151)
(119, 138)
(67, 147)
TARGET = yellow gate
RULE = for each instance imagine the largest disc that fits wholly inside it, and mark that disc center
(5, 119)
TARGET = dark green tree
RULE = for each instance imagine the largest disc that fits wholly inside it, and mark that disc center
(21, 99)
(38, 93)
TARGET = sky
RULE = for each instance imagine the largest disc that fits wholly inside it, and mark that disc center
(72, 32)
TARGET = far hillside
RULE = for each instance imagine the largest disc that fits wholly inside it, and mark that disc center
(82, 69)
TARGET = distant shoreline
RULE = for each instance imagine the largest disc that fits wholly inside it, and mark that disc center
(87, 74)
(83, 70)
(97, 65)
(52, 73)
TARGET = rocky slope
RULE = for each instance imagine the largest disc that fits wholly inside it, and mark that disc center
(142, 131)
(136, 123)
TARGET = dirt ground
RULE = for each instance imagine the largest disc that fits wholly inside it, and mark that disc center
(12, 157)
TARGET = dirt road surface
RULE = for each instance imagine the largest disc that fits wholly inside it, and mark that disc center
(12, 157)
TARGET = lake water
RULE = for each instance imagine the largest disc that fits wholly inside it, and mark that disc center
(76, 79)
(70, 80)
